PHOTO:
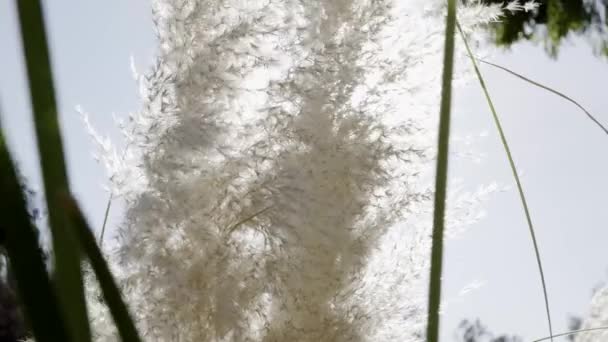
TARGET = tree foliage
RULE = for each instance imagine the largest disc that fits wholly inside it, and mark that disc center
(475, 331)
(552, 21)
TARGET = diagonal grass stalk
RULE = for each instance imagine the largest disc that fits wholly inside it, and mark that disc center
(570, 333)
(50, 149)
(567, 98)
(105, 220)
(432, 333)
(515, 175)
(109, 289)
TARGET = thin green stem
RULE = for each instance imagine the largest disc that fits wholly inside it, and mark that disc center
(573, 332)
(432, 333)
(515, 175)
(599, 124)
(107, 212)
(105, 220)
(67, 255)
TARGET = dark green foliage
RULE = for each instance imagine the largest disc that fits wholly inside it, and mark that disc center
(553, 21)
(474, 331)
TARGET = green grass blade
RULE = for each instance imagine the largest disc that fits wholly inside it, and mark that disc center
(19, 237)
(589, 115)
(432, 332)
(570, 333)
(515, 175)
(65, 247)
(105, 220)
(111, 293)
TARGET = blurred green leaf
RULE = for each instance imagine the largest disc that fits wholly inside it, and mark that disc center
(67, 255)
(18, 235)
(552, 22)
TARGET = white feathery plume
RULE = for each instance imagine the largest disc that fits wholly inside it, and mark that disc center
(278, 176)
(596, 317)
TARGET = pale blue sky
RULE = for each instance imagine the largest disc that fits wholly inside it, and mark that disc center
(562, 154)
